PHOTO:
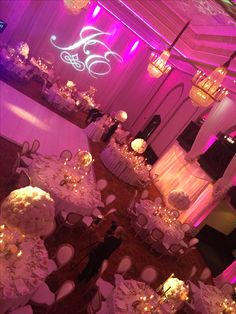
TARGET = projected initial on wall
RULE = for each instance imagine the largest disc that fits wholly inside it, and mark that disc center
(91, 53)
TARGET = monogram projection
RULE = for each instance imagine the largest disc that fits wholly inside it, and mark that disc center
(88, 53)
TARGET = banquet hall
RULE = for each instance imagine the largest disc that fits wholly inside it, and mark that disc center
(117, 156)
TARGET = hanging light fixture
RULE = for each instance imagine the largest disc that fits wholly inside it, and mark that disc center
(207, 89)
(158, 63)
(75, 6)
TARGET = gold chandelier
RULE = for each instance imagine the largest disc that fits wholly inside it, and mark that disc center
(158, 63)
(75, 6)
(207, 89)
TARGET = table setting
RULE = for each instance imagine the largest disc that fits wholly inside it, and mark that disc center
(162, 218)
(44, 70)
(73, 189)
(23, 267)
(132, 296)
(125, 164)
(208, 299)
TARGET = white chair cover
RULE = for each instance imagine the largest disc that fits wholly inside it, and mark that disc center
(64, 254)
(66, 288)
(149, 274)
(125, 265)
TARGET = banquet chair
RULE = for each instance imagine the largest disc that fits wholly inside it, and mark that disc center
(16, 164)
(155, 238)
(124, 265)
(185, 228)
(105, 287)
(23, 180)
(144, 194)
(139, 226)
(65, 289)
(95, 304)
(109, 199)
(205, 275)
(193, 272)
(175, 213)
(149, 274)
(34, 148)
(64, 254)
(22, 310)
(25, 148)
(188, 248)
(110, 211)
(101, 184)
(174, 250)
(157, 201)
(227, 289)
(132, 203)
(70, 220)
(66, 155)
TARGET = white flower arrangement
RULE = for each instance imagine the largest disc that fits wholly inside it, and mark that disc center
(175, 289)
(179, 200)
(23, 49)
(30, 210)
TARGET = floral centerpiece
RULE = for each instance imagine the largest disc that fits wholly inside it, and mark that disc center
(175, 290)
(30, 210)
(179, 200)
(23, 49)
(10, 241)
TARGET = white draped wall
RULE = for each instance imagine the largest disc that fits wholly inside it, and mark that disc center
(221, 117)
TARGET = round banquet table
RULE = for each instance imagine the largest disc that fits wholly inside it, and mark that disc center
(208, 299)
(46, 172)
(173, 234)
(124, 168)
(21, 276)
(127, 292)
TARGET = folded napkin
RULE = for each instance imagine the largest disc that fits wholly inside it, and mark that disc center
(8, 292)
(121, 304)
(21, 286)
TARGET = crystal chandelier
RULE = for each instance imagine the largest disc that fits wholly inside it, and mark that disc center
(207, 89)
(158, 63)
(75, 6)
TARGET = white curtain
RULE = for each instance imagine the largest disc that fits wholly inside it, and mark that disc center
(221, 117)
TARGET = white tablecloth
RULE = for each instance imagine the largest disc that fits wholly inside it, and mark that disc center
(173, 233)
(21, 276)
(43, 72)
(48, 172)
(208, 299)
(124, 168)
(127, 292)
(60, 100)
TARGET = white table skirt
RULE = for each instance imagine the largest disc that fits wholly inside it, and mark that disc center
(48, 180)
(172, 233)
(121, 168)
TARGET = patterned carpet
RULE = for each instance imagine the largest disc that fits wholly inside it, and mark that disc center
(133, 246)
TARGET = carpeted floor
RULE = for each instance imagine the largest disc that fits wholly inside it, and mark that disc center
(133, 247)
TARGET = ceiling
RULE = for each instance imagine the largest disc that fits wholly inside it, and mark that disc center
(208, 41)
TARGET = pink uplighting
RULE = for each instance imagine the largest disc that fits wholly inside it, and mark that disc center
(150, 26)
(134, 47)
(210, 142)
(96, 11)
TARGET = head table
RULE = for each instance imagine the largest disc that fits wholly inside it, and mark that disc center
(47, 172)
(20, 276)
(158, 218)
(125, 164)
